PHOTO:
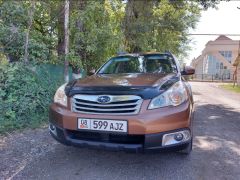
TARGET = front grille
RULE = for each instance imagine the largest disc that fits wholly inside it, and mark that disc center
(119, 104)
(106, 137)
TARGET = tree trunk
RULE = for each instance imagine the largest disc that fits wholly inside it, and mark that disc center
(60, 28)
(30, 14)
(80, 6)
(66, 40)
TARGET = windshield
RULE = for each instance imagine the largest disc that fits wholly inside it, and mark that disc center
(140, 64)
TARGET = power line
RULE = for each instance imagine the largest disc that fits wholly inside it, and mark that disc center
(206, 34)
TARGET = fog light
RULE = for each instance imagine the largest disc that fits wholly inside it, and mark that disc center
(52, 128)
(176, 137)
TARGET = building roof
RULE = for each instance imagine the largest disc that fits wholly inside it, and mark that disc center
(222, 37)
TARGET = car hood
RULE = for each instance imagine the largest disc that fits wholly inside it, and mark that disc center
(145, 85)
(122, 80)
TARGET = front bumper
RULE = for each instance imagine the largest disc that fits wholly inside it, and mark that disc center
(128, 143)
(145, 129)
(145, 122)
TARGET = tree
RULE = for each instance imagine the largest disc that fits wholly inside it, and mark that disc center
(172, 22)
(96, 32)
(136, 23)
(97, 29)
(14, 25)
(30, 14)
(77, 55)
(161, 25)
(209, 3)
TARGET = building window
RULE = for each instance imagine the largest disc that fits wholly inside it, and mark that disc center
(227, 55)
(217, 65)
(221, 66)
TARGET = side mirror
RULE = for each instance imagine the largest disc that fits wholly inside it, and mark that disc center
(188, 70)
(91, 72)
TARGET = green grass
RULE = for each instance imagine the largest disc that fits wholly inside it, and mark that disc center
(231, 88)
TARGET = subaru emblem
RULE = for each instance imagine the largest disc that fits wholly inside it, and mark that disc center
(104, 99)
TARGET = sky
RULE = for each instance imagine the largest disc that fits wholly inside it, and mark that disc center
(224, 20)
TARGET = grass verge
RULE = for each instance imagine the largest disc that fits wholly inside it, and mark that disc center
(231, 88)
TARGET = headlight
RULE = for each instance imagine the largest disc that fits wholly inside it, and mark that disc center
(174, 96)
(60, 96)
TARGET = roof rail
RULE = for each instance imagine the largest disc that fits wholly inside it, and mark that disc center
(120, 53)
(168, 52)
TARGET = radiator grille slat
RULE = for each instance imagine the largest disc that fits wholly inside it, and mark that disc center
(119, 105)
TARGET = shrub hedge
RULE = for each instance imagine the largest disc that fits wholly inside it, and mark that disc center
(25, 95)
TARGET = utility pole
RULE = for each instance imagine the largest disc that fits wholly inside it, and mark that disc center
(66, 40)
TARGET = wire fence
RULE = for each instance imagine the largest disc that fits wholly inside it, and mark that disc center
(227, 77)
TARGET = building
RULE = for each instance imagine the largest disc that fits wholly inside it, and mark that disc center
(216, 60)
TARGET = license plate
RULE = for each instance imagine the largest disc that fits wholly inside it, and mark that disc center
(102, 125)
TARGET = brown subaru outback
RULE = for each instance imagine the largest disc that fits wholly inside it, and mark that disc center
(134, 102)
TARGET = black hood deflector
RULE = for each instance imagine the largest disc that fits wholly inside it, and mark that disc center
(146, 92)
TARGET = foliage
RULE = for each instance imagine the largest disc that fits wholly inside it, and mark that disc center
(74, 60)
(24, 96)
(13, 26)
(98, 29)
(101, 35)
(160, 26)
(209, 3)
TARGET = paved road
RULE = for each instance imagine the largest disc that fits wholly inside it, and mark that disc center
(216, 152)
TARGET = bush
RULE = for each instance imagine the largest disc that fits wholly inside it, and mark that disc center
(25, 95)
